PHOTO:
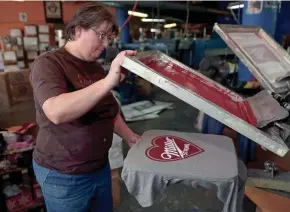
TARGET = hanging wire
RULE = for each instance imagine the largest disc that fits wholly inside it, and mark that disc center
(129, 17)
(237, 19)
(152, 23)
(158, 9)
(187, 18)
(157, 25)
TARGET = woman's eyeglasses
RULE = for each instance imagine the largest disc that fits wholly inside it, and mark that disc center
(102, 36)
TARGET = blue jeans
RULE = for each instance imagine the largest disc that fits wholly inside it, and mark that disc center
(75, 193)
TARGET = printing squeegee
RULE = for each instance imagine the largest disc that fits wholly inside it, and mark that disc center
(207, 95)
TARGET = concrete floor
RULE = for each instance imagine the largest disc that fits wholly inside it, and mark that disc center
(177, 198)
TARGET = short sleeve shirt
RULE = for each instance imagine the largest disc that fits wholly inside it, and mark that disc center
(82, 145)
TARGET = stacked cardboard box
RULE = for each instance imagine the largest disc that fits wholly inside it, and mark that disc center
(26, 46)
(43, 37)
(17, 52)
(31, 43)
(7, 43)
(9, 59)
(5, 94)
(12, 55)
(20, 87)
(16, 34)
(14, 87)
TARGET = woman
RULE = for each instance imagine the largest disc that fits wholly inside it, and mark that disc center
(77, 115)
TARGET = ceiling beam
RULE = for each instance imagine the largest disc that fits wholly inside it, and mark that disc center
(169, 6)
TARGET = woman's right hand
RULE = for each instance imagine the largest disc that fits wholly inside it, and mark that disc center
(114, 76)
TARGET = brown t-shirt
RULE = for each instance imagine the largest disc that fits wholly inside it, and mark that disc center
(80, 146)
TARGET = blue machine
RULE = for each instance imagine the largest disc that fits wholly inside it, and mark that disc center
(267, 20)
(196, 52)
(163, 45)
(122, 16)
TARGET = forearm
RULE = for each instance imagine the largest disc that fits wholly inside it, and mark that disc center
(122, 129)
(70, 106)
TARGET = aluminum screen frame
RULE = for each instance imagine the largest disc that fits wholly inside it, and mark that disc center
(134, 65)
(279, 87)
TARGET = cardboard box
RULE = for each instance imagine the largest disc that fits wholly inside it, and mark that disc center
(3, 82)
(5, 44)
(30, 43)
(9, 57)
(19, 54)
(21, 64)
(18, 77)
(43, 38)
(11, 68)
(43, 29)
(32, 55)
(15, 33)
(19, 41)
(5, 100)
(2, 66)
(21, 92)
(5, 94)
(8, 46)
(30, 30)
(42, 47)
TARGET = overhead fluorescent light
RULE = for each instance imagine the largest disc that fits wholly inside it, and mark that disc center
(170, 25)
(155, 30)
(138, 14)
(152, 20)
(235, 5)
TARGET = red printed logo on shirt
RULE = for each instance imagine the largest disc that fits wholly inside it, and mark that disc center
(85, 80)
(171, 148)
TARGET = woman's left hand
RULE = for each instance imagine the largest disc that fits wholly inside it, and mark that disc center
(133, 139)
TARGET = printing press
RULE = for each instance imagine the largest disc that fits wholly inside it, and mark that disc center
(262, 118)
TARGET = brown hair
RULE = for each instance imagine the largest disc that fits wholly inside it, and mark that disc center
(88, 16)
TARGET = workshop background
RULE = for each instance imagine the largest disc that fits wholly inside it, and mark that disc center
(181, 29)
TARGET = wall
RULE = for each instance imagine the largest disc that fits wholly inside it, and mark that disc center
(69, 8)
(282, 24)
(222, 19)
(283, 21)
(9, 13)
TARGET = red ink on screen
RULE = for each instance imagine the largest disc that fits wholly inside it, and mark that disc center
(205, 88)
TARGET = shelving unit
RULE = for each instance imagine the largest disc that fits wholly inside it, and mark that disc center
(10, 152)
(35, 202)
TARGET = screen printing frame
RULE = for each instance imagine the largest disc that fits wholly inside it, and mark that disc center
(280, 86)
(134, 65)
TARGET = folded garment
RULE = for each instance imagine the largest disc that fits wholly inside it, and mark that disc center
(11, 190)
(20, 145)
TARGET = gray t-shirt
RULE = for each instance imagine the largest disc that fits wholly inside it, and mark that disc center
(163, 158)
